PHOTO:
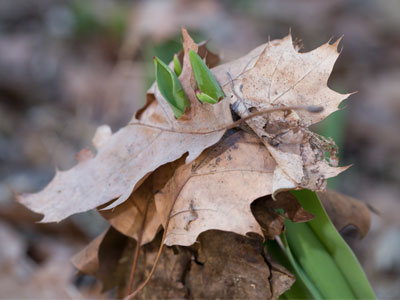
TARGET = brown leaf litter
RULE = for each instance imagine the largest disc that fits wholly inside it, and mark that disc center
(210, 188)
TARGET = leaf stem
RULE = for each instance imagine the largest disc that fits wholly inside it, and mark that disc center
(309, 108)
(160, 249)
(144, 283)
(137, 249)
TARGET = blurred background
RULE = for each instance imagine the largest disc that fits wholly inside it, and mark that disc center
(67, 67)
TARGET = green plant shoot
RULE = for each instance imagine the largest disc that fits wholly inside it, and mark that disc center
(170, 88)
(303, 287)
(210, 90)
(324, 265)
(316, 262)
(177, 66)
(333, 243)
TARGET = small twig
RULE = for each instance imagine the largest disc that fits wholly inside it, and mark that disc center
(160, 249)
(144, 283)
(137, 249)
(311, 109)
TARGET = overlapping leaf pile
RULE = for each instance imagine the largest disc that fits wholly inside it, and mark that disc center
(192, 175)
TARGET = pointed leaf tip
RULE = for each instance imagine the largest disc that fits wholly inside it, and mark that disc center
(206, 81)
(171, 88)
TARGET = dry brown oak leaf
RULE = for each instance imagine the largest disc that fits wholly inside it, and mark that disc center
(278, 75)
(125, 158)
(129, 216)
(216, 191)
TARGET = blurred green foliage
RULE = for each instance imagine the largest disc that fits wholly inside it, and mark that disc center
(90, 22)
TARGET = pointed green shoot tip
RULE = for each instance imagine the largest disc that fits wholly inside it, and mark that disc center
(170, 88)
(205, 98)
(211, 91)
(177, 66)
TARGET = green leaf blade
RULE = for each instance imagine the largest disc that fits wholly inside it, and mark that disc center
(317, 262)
(335, 245)
(303, 288)
(177, 65)
(205, 98)
(205, 79)
(170, 88)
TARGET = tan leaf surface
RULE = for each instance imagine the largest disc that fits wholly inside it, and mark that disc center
(125, 158)
(87, 260)
(216, 190)
(281, 76)
(284, 76)
(127, 217)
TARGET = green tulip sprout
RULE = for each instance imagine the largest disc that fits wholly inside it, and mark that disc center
(324, 265)
(209, 89)
(170, 88)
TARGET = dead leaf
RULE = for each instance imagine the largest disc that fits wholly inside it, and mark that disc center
(292, 208)
(104, 259)
(127, 217)
(168, 281)
(228, 264)
(272, 222)
(127, 157)
(87, 261)
(281, 279)
(216, 190)
(114, 259)
(282, 76)
(344, 211)
(233, 267)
